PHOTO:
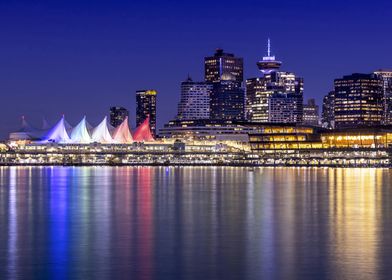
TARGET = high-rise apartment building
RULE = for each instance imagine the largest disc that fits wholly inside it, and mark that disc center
(386, 77)
(311, 113)
(146, 107)
(117, 115)
(272, 82)
(194, 100)
(328, 111)
(359, 100)
(225, 72)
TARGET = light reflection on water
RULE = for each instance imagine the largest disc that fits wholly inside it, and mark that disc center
(195, 223)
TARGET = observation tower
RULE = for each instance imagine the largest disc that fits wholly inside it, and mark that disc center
(268, 64)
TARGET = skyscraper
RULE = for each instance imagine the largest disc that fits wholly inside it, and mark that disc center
(272, 81)
(146, 107)
(386, 77)
(328, 111)
(194, 101)
(117, 115)
(311, 113)
(225, 72)
(223, 66)
(284, 108)
(359, 100)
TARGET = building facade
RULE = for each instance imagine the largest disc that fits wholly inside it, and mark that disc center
(359, 100)
(272, 83)
(194, 100)
(328, 111)
(386, 77)
(311, 113)
(225, 72)
(284, 108)
(208, 130)
(146, 107)
(117, 115)
(227, 101)
(222, 65)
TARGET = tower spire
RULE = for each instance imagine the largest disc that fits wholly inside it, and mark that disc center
(269, 47)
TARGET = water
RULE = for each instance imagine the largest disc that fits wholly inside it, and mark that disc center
(195, 223)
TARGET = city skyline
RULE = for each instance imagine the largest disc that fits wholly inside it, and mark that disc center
(142, 115)
(195, 139)
(41, 71)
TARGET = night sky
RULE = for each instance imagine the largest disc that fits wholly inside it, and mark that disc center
(81, 57)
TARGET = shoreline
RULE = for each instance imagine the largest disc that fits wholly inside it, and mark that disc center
(164, 154)
(190, 165)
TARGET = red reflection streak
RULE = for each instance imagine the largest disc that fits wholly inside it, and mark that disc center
(145, 231)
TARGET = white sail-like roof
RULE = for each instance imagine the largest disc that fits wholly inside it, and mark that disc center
(122, 134)
(80, 133)
(101, 133)
(58, 133)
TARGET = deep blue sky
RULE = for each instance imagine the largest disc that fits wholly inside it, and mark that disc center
(80, 57)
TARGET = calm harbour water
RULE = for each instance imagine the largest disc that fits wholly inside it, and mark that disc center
(195, 223)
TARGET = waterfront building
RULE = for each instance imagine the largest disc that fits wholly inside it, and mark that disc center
(84, 134)
(328, 111)
(225, 72)
(285, 108)
(272, 82)
(203, 129)
(209, 142)
(362, 137)
(194, 100)
(359, 100)
(311, 113)
(118, 115)
(386, 77)
(307, 146)
(151, 153)
(284, 136)
(146, 108)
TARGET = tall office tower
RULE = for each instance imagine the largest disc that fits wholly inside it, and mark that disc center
(223, 66)
(359, 100)
(194, 101)
(311, 113)
(146, 106)
(117, 115)
(225, 72)
(285, 108)
(272, 81)
(328, 112)
(386, 76)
